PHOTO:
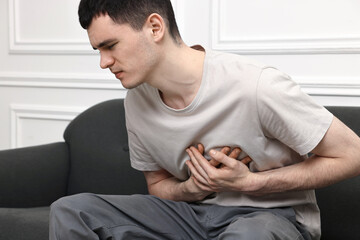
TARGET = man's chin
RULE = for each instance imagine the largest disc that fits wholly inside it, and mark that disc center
(128, 85)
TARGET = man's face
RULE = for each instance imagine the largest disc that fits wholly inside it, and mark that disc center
(128, 53)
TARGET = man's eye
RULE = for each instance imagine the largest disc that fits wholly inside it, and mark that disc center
(111, 46)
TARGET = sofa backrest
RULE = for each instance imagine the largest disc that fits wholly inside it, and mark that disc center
(99, 155)
(340, 203)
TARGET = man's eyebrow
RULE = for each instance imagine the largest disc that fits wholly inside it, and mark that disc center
(104, 43)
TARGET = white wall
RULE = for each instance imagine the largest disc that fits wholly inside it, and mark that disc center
(49, 73)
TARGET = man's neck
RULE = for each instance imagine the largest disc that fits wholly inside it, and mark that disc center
(179, 76)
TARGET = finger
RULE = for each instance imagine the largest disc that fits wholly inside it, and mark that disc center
(214, 163)
(246, 160)
(203, 163)
(201, 148)
(224, 150)
(235, 153)
(195, 174)
(223, 158)
(197, 170)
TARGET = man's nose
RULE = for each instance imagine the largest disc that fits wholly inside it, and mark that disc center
(106, 60)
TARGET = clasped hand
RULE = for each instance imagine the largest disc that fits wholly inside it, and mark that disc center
(223, 173)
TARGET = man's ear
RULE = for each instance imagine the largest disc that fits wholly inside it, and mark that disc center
(156, 26)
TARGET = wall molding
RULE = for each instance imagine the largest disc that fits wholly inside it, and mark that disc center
(330, 86)
(60, 80)
(312, 85)
(41, 46)
(61, 46)
(332, 90)
(286, 45)
(21, 112)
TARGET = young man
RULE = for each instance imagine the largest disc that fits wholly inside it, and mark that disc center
(222, 140)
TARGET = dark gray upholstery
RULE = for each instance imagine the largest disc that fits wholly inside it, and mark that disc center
(94, 158)
(34, 176)
(99, 152)
(24, 223)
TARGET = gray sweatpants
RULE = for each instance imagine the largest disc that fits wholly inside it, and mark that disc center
(90, 216)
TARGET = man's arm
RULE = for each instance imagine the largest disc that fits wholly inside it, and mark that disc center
(335, 158)
(162, 184)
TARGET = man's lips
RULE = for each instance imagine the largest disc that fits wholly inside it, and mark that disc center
(118, 74)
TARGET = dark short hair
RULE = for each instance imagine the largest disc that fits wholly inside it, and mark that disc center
(132, 12)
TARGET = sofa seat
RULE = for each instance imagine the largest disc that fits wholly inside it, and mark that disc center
(16, 223)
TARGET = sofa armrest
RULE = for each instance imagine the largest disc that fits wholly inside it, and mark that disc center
(33, 176)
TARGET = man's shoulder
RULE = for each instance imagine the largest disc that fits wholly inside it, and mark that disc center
(231, 59)
(233, 67)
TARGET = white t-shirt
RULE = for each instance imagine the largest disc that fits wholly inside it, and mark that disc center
(240, 103)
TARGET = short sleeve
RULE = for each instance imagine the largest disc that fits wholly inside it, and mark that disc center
(288, 114)
(139, 157)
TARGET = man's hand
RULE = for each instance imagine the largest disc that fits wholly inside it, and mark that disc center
(222, 173)
(198, 190)
(164, 185)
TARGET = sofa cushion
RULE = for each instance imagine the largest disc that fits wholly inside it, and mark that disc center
(99, 152)
(17, 223)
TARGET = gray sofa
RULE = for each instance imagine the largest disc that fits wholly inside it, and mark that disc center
(94, 158)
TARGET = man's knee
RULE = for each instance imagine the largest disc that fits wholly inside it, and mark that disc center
(68, 203)
(70, 200)
(261, 225)
(69, 218)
